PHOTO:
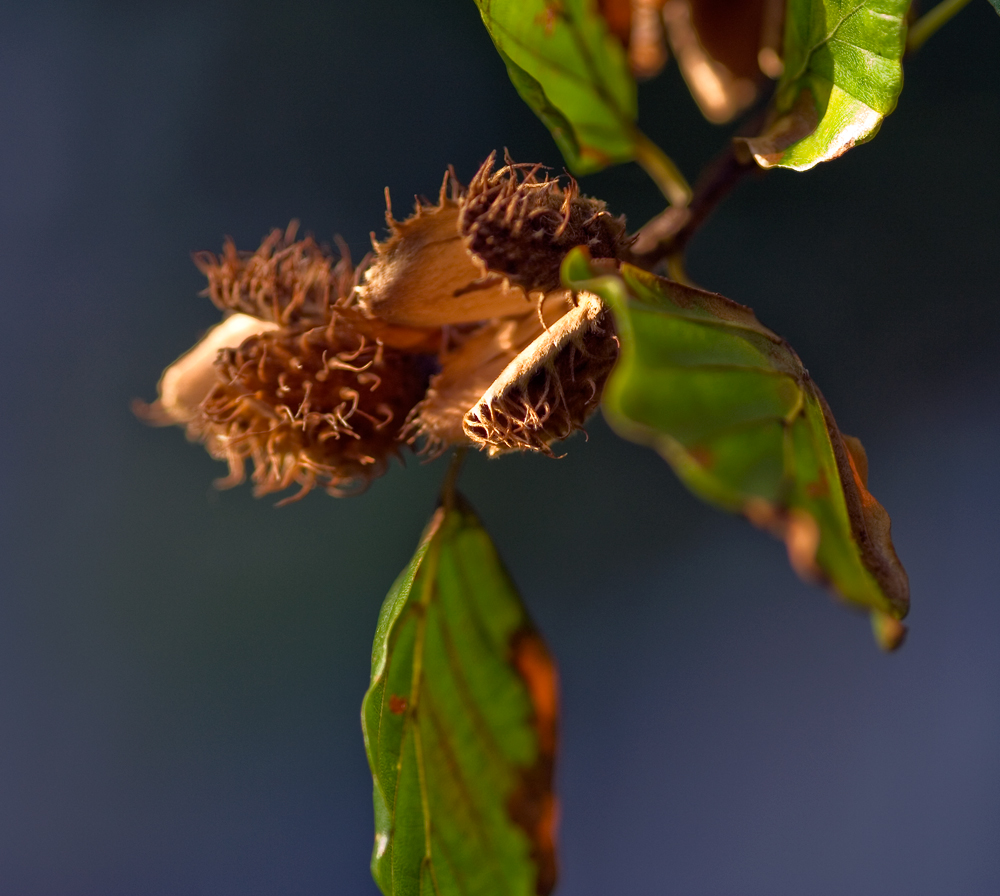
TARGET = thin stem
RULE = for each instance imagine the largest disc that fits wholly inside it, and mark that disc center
(669, 232)
(661, 168)
(451, 477)
(676, 270)
(927, 24)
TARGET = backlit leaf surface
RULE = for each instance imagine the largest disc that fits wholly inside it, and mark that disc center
(842, 76)
(572, 72)
(460, 726)
(731, 408)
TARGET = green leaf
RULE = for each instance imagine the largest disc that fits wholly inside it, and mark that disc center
(460, 726)
(729, 405)
(996, 5)
(843, 75)
(572, 72)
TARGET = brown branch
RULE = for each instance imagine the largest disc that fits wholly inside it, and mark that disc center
(668, 234)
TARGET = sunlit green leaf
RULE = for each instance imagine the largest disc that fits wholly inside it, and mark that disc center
(572, 72)
(460, 726)
(842, 76)
(730, 406)
(996, 5)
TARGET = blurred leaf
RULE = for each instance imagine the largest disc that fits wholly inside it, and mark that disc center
(460, 726)
(717, 47)
(572, 72)
(996, 5)
(731, 408)
(842, 76)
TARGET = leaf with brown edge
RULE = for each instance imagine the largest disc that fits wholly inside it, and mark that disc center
(729, 405)
(842, 75)
(460, 726)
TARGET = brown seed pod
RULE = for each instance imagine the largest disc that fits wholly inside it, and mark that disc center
(309, 406)
(726, 49)
(484, 251)
(283, 281)
(306, 387)
(549, 390)
(524, 363)
(460, 334)
(468, 370)
(521, 384)
(521, 227)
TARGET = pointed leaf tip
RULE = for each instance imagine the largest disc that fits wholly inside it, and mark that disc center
(460, 725)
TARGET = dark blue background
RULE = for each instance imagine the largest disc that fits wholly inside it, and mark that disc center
(181, 671)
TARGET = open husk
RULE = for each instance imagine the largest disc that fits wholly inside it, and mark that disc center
(457, 333)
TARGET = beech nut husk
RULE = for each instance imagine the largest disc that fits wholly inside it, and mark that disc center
(458, 332)
(525, 360)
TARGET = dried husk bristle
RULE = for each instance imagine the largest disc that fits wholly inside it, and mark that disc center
(423, 275)
(309, 406)
(284, 280)
(484, 251)
(521, 226)
(549, 390)
(460, 334)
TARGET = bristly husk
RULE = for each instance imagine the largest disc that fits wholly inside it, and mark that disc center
(521, 227)
(284, 280)
(424, 276)
(460, 334)
(524, 365)
(549, 390)
(296, 379)
(310, 406)
(484, 251)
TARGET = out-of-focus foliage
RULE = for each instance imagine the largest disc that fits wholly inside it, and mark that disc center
(572, 72)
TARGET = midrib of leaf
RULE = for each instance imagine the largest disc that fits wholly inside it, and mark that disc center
(426, 596)
(461, 685)
(459, 779)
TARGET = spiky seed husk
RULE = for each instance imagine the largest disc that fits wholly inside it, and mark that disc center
(310, 406)
(424, 276)
(307, 388)
(186, 383)
(284, 280)
(547, 392)
(485, 251)
(521, 226)
(470, 367)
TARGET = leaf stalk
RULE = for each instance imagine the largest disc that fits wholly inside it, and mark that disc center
(930, 22)
(661, 168)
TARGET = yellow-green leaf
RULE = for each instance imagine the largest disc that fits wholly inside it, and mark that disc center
(842, 76)
(572, 72)
(460, 726)
(729, 405)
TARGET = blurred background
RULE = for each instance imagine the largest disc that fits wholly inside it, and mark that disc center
(181, 670)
